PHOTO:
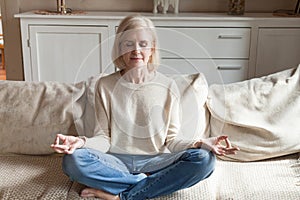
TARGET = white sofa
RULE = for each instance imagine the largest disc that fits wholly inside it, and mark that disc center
(267, 167)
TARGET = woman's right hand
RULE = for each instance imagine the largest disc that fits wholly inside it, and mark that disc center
(214, 144)
(68, 144)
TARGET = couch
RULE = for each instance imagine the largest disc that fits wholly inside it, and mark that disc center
(260, 115)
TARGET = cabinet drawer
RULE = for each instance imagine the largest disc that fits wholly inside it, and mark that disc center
(215, 71)
(204, 42)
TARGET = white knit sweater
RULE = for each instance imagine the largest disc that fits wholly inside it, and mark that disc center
(137, 118)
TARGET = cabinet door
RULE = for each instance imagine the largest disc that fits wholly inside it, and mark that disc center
(216, 71)
(278, 49)
(67, 53)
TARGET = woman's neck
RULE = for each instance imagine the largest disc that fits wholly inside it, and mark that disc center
(137, 75)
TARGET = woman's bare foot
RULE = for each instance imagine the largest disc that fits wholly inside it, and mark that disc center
(91, 192)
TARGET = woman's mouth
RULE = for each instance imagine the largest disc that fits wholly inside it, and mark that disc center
(136, 58)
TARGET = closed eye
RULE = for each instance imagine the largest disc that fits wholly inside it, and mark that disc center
(130, 44)
(144, 43)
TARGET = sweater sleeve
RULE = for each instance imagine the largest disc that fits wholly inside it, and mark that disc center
(101, 139)
(173, 141)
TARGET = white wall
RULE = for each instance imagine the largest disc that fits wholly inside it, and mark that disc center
(146, 5)
(11, 29)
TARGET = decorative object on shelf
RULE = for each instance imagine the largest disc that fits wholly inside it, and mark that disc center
(60, 10)
(165, 4)
(236, 7)
(61, 6)
(51, 12)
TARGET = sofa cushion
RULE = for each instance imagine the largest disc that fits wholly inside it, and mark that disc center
(41, 177)
(32, 113)
(261, 115)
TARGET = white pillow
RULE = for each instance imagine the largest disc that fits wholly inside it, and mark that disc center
(261, 116)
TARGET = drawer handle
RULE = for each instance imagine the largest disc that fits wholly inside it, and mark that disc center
(229, 67)
(230, 36)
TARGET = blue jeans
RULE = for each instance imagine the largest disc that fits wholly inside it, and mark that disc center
(125, 175)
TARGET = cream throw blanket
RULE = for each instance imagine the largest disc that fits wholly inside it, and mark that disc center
(261, 115)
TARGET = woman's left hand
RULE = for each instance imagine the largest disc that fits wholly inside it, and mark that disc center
(69, 144)
(215, 145)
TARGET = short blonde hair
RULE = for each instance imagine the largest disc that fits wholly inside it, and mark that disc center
(130, 23)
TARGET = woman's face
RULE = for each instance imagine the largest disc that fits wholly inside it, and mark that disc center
(136, 48)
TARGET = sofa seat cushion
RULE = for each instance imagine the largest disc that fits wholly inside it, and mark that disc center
(263, 180)
(32, 177)
(41, 177)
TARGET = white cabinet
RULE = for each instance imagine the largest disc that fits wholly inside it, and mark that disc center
(65, 53)
(70, 48)
(277, 49)
(220, 53)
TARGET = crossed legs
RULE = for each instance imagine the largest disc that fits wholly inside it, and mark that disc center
(107, 177)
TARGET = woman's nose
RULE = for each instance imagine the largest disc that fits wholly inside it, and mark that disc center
(136, 47)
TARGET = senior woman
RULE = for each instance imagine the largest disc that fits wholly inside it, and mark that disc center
(134, 153)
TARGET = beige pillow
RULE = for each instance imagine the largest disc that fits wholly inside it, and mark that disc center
(32, 113)
(84, 118)
(261, 116)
